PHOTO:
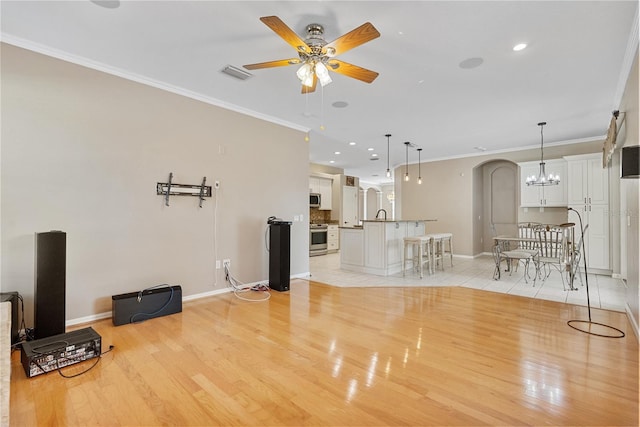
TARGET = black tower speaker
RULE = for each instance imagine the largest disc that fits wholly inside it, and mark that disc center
(279, 255)
(50, 286)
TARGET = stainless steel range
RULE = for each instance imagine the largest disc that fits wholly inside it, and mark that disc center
(317, 239)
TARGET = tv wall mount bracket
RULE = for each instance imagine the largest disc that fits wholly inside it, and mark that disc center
(170, 188)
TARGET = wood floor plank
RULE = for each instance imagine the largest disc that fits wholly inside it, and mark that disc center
(323, 355)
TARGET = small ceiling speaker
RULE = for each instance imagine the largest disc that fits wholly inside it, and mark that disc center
(630, 161)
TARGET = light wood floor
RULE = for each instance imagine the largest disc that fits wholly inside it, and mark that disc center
(322, 355)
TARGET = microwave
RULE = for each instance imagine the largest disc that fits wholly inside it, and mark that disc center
(314, 200)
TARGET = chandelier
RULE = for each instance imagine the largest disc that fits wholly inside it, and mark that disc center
(542, 179)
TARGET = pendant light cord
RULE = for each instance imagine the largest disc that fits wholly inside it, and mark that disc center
(406, 168)
(388, 161)
(541, 124)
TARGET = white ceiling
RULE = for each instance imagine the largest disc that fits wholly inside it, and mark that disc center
(571, 74)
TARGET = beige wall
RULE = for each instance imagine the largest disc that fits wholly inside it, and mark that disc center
(629, 190)
(82, 152)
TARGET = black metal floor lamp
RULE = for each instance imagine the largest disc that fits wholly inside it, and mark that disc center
(573, 323)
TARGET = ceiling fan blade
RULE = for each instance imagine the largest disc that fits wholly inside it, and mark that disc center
(351, 70)
(353, 38)
(278, 63)
(281, 29)
(307, 89)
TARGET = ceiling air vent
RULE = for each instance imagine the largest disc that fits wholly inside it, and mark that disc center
(236, 72)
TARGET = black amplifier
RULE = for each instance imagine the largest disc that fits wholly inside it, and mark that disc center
(57, 351)
(134, 307)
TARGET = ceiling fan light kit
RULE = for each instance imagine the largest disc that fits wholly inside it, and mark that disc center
(317, 56)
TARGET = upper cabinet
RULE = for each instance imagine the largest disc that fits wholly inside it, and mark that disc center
(588, 180)
(322, 186)
(544, 196)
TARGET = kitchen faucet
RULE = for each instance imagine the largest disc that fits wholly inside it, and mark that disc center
(378, 213)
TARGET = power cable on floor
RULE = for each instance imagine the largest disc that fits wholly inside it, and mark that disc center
(240, 288)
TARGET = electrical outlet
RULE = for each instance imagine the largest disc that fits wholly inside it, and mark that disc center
(217, 264)
(226, 263)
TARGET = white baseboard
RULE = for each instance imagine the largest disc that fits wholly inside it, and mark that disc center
(107, 314)
(206, 294)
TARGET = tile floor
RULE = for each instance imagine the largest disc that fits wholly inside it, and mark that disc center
(604, 291)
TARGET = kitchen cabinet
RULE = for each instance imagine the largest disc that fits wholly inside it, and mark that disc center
(352, 253)
(543, 196)
(333, 238)
(381, 245)
(415, 228)
(322, 186)
(588, 193)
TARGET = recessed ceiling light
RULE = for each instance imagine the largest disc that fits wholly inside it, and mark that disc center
(337, 152)
(374, 155)
(480, 148)
(369, 149)
(352, 143)
(331, 161)
(519, 46)
(340, 104)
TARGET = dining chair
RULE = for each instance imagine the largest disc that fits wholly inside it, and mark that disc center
(502, 252)
(526, 230)
(553, 251)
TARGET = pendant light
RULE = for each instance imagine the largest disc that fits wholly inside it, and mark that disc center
(542, 179)
(406, 168)
(388, 170)
(419, 172)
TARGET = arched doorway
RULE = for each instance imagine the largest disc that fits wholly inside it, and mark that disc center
(495, 202)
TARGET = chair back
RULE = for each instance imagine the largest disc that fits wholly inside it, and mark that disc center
(527, 230)
(552, 240)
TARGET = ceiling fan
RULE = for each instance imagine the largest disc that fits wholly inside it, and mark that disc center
(317, 56)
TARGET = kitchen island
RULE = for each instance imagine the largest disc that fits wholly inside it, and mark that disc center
(376, 247)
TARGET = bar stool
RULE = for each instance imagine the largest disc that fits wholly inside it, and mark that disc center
(421, 253)
(439, 248)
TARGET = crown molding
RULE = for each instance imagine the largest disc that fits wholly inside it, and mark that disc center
(98, 66)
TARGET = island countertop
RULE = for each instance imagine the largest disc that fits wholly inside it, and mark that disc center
(377, 246)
